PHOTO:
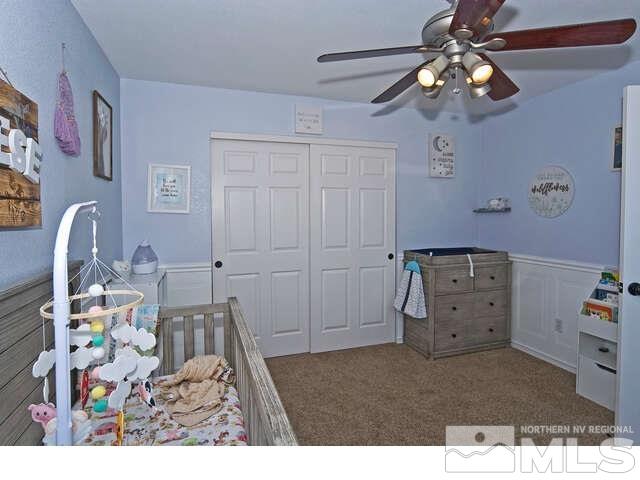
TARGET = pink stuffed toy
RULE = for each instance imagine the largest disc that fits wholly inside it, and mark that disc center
(42, 412)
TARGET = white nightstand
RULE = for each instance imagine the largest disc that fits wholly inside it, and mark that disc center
(153, 286)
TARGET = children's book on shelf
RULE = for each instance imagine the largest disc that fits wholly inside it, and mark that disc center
(603, 302)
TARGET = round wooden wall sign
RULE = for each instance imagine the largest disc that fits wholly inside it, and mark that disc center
(551, 192)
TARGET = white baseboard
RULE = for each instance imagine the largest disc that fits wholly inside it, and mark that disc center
(543, 356)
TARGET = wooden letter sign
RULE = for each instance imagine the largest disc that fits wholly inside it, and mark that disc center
(20, 157)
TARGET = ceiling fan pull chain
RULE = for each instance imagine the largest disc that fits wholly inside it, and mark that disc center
(457, 90)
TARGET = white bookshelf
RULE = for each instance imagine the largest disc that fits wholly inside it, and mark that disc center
(597, 360)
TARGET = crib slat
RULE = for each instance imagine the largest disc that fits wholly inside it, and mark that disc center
(208, 334)
(188, 338)
(167, 346)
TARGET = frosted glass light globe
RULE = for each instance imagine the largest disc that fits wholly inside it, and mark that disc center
(482, 74)
(426, 78)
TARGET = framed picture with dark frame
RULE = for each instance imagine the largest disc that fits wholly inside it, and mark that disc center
(102, 137)
(616, 165)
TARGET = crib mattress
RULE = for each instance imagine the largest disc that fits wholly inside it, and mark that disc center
(143, 426)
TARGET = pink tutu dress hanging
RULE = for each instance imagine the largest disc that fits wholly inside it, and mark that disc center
(64, 123)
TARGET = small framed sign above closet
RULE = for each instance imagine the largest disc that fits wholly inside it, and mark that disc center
(308, 119)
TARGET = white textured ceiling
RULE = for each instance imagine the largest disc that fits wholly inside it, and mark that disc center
(272, 45)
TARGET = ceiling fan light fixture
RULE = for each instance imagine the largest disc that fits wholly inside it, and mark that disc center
(428, 76)
(479, 70)
(477, 91)
(433, 92)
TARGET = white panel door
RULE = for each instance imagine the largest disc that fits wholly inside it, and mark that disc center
(261, 238)
(352, 195)
(628, 403)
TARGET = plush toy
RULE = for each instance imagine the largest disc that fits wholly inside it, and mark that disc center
(78, 419)
(145, 390)
(42, 413)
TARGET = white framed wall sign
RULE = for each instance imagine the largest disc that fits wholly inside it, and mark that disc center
(308, 119)
(551, 191)
(442, 155)
(168, 188)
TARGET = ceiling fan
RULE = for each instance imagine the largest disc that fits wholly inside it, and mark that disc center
(461, 33)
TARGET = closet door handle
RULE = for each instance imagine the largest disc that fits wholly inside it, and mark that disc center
(492, 277)
(453, 335)
(454, 280)
(491, 304)
(390, 256)
(491, 330)
(454, 308)
(218, 264)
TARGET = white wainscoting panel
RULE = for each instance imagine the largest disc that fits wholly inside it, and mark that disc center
(190, 284)
(546, 294)
(546, 297)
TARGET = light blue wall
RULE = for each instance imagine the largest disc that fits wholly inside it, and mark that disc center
(30, 38)
(571, 127)
(167, 123)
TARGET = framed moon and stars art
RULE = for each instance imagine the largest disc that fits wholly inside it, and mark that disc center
(442, 155)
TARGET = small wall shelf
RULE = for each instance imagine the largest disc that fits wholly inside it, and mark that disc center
(492, 210)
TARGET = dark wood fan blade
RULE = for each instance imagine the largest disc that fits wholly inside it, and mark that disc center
(580, 35)
(501, 85)
(400, 86)
(380, 52)
(475, 15)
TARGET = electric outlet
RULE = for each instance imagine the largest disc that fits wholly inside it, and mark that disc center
(558, 327)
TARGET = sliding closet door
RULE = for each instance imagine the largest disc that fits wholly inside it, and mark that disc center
(352, 194)
(261, 238)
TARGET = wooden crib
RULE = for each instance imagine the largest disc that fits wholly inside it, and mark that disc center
(266, 421)
(21, 339)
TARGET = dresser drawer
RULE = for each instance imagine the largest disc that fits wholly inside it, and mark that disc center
(454, 308)
(482, 330)
(490, 303)
(494, 276)
(453, 281)
(450, 337)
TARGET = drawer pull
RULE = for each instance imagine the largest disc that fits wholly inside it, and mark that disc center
(492, 277)
(453, 335)
(603, 349)
(606, 369)
(491, 330)
(454, 308)
(491, 303)
(454, 280)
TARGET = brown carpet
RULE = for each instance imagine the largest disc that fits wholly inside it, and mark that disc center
(391, 395)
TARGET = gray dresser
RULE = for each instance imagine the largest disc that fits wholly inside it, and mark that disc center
(464, 313)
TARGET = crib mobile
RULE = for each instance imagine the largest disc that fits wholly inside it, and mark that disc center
(95, 325)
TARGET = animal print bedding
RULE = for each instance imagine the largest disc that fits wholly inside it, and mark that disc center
(147, 426)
